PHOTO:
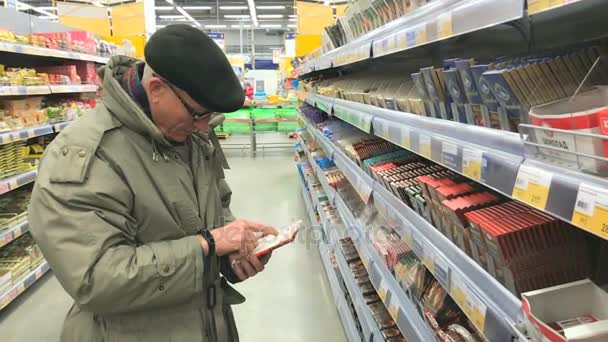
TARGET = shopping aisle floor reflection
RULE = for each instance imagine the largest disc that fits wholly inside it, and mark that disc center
(290, 301)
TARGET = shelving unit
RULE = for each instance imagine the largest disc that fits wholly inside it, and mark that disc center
(44, 52)
(25, 282)
(494, 158)
(494, 310)
(46, 89)
(13, 182)
(10, 234)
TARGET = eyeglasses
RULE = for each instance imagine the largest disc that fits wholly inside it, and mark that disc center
(196, 115)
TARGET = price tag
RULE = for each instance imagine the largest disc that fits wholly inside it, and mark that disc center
(470, 304)
(5, 238)
(364, 190)
(393, 308)
(591, 210)
(404, 138)
(536, 6)
(532, 186)
(444, 25)
(382, 130)
(471, 163)
(449, 154)
(382, 291)
(13, 184)
(402, 40)
(421, 35)
(4, 187)
(365, 260)
(477, 312)
(424, 146)
(458, 290)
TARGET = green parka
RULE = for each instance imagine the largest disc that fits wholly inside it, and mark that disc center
(115, 211)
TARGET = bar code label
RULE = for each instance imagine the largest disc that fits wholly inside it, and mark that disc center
(532, 186)
(471, 163)
(591, 210)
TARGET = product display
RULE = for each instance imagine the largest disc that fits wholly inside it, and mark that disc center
(78, 41)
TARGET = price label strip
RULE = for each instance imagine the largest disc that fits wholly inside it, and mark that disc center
(470, 304)
(532, 186)
(449, 154)
(471, 163)
(424, 146)
(444, 26)
(536, 6)
(591, 210)
(382, 292)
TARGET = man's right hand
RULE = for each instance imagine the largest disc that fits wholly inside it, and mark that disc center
(240, 236)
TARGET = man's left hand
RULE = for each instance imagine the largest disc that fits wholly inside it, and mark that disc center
(248, 267)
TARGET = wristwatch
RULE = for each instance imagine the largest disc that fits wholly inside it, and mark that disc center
(210, 241)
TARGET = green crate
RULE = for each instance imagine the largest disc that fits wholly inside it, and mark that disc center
(237, 127)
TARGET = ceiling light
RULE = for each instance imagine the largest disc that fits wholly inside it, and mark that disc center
(47, 8)
(326, 2)
(240, 26)
(170, 2)
(270, 7)
(236, 16)
(170, 17)
(215, 26)
(292, 25)
(270, 25)
(96, 3)
(188, 16)
(251, 5)
(48, 17)
(22, 6)
(293, 19)
(232, 8)
(197, 8)
(164, 8)
(270, 16)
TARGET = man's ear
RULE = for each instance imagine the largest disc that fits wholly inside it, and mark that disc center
(155, 88)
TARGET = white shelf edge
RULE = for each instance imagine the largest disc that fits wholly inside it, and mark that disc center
(45, 52)
(11, 234)
(16, 181)
(23, 284)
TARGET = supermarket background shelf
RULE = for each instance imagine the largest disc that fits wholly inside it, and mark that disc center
(27, 281)
(46, 89)
(500, 309)
(10, 234)
(58, 127)
(25, 133)
(13, 182)
(44, 52)
(488, 156)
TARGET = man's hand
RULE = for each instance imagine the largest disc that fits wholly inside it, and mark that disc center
(247, 267)
(240, 237)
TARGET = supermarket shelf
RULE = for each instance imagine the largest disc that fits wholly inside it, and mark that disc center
(330, 271)
(24, 90)
(492, 157)
(539, 6)
(25, 133)
(27, 281)
(44, 52)
(10, 234)
(78, 88)
(433, 22)
(46, 89)
(368, 325)
(13, 182)
(495, 310)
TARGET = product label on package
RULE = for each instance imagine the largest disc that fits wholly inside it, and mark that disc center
(591, 210)
(532, 186)
(471, 163)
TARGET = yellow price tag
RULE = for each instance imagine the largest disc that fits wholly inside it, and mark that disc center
(429, 262)
(444, 26)
(459, 297)
(536, 6)
(402, 40)
(382, 291)
(425, 146)
(471, 163)
(532, 186)
(365, 261)
(591, 210)
(421, 35)
(393, 310)
(477, 312)
(405, 138)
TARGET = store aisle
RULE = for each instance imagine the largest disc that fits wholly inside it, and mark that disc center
(290, 301)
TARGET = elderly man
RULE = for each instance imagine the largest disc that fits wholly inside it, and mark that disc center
(131, 208)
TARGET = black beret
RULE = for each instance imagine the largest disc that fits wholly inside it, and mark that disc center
(190, 60)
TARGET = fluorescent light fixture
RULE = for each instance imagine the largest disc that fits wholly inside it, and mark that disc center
(326, 2)
(237, 16)
(47, 17)
(47, 8)
(170, 2)
(270, 16)
(293, 15)
(171, 17)
(292, 25)
(270, 7)
(293, 19)
(215, 26)
(188, 16)
(164, 8)
(251, 4)
(241, 26)
(22, 6)
(270, 25)
(160, 26)
(232, 8)
(96, 3)
(197, 8)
